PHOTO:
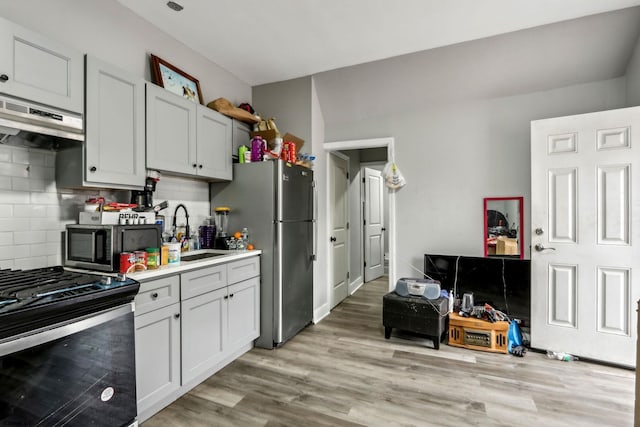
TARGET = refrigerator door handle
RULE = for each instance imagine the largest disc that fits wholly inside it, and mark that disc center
(314, 255)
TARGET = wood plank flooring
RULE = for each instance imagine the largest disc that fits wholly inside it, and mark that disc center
(342, 372)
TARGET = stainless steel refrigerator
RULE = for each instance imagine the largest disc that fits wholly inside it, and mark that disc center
(275, 201)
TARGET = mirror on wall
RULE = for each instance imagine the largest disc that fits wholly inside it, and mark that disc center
(503, 221)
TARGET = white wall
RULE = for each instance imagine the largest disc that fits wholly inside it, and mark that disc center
(33, 210)
(453, 156)
(321, 297)
(290, 104)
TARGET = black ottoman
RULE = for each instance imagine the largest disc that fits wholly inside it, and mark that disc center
(415, 314)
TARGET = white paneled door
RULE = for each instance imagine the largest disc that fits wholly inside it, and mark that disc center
(339, 239)
(585, 256)
(373, 225)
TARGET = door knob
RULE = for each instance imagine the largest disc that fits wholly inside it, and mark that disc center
(539, 247)
(4, 78)
(93, 169)
(539, 231)
(332, 239)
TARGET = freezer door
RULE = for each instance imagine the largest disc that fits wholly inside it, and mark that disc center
(295, 188)
(294, 301)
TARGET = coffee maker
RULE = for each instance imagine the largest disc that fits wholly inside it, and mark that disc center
(144, 198)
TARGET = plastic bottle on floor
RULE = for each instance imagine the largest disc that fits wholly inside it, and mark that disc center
(565, 357)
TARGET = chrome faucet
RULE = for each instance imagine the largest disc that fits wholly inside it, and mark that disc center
(186, 214)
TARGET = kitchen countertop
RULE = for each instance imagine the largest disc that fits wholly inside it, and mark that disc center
(183, 266)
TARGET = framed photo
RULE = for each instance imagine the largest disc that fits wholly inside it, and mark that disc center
(175, 80)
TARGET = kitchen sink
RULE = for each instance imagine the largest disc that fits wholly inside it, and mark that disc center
(195, 257)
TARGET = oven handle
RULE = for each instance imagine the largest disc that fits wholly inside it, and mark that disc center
(54, 332)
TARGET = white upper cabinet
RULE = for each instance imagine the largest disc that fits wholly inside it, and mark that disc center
(186, 138)
(34, 67)
(214, 144)
(115, 125)
(241, 136)
(113, 155)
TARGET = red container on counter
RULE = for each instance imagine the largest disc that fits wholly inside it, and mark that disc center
(141, 260)
(127, 262)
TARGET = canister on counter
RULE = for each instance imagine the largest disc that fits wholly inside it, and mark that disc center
(141, 260)
(153, 258)
(174, 253)
(127, 262)
(164, 255)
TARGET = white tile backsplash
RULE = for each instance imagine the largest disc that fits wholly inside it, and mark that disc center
(34, 211)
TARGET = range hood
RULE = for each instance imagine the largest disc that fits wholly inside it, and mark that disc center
(29, 124)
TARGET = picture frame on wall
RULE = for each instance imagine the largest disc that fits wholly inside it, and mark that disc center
(175, 80)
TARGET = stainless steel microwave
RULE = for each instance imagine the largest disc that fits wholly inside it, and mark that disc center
(98, 247)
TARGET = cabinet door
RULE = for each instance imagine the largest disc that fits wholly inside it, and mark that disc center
(214, 144)
(114, 126)
(40, 69)
(204, 326)
(241, 136)
(171, 131)
(157, 356)
(244, 312)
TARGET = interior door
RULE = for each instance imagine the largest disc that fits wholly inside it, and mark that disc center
(373, 224)
(585, 249)
(339, 248)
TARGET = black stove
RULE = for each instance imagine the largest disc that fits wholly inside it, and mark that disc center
(37, 298)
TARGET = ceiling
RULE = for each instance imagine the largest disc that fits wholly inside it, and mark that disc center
(264, 42)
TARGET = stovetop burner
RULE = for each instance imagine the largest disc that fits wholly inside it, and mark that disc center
(34, 298)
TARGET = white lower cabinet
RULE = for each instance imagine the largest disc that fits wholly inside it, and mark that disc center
(204, 321)
(220, 321)
(243, 318)
(190, 325)
(157, 357)
(157, 335)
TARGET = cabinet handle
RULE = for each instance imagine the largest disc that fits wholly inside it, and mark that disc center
(177, 315)
(154, 295)
(231, 296)
(332, 239)
(200, 166)
(195, 165)
(93, 169)
(226, 297)
(4, 78)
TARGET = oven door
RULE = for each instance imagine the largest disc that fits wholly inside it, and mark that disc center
(81, 373)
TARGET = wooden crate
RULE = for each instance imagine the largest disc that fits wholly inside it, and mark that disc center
(477, 334)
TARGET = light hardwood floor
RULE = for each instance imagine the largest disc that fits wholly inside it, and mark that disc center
(342, 372)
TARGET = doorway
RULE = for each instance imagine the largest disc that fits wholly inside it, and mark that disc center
(388, 145)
